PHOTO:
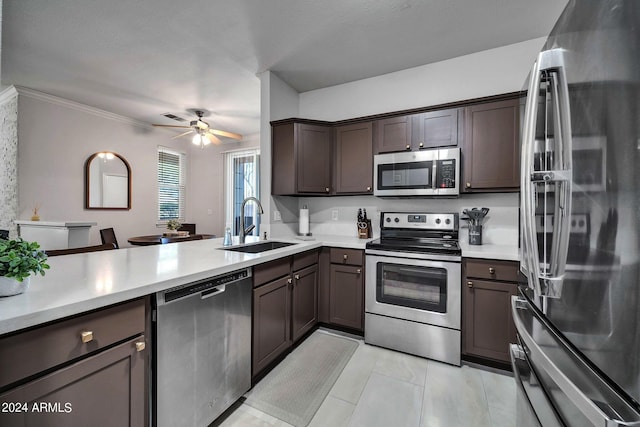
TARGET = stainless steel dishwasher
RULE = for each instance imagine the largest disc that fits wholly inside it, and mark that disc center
(202, 361)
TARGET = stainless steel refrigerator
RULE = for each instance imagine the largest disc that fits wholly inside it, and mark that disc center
(577, 362)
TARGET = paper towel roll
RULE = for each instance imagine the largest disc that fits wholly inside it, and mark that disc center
(304, 221)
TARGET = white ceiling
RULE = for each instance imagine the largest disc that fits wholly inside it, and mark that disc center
(143, 58)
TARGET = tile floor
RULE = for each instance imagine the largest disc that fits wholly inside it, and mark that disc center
(380, 387)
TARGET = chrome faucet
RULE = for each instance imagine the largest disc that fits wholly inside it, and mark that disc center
(244, 231)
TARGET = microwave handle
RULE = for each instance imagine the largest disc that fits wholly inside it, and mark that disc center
(434, 174)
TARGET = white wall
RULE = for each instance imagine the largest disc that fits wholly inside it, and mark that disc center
(277, 101)
(485, 73)
(55, 137)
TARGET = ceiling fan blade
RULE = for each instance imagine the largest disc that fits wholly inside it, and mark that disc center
(171, 126)
(213, 138)
(182, 134)
(226, 134)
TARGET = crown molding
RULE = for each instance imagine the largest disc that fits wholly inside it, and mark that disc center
(8, 94)
(41, 96)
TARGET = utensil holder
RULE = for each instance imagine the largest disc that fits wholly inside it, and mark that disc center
(475, 234)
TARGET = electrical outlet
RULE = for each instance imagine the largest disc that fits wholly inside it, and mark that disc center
(276, 216)
(334, 215)
(209, 212)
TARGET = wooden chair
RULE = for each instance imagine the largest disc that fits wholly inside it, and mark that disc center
(191, 228)
(109, 236)
(96, 248)
(181, 239)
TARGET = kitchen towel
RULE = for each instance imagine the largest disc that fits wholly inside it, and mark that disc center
(295, 389)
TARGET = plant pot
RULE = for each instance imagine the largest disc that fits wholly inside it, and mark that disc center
(10, 286)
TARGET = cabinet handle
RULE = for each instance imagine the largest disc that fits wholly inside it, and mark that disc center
(289, 280)
(359, 271)
(368, 188)
(345, 256)
(408, 147)
(86, 336)
(297, 276)
(421, 145)
(140, 346)
(492, 270)
(326, 189)
(470, 284)
(468, 185)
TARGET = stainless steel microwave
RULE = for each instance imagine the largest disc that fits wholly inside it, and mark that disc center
(417, 173)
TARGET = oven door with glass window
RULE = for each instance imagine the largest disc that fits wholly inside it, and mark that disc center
(424, 291)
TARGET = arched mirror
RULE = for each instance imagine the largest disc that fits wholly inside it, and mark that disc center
(107, 182)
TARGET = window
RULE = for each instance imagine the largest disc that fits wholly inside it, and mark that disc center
(171, 184)
(242, 178)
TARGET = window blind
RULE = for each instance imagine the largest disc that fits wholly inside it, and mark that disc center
(171, 185)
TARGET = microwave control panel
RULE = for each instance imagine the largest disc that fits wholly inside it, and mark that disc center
(446, 173)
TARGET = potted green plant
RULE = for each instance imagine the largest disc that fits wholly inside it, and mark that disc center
(172, 227)
(18, 260)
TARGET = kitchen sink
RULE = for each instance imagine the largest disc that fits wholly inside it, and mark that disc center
(255, 248)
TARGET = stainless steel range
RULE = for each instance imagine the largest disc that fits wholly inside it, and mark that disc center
(413, 295)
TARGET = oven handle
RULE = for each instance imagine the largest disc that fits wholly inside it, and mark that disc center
(414, 255)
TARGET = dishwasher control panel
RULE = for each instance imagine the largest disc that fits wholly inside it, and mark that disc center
(201, 286)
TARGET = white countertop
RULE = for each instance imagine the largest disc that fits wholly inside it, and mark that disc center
(68, 224)
(83, 282)
(490, 251)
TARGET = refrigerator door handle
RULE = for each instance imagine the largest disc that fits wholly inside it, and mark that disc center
(590, 409)
(530, 248)
(551, 64)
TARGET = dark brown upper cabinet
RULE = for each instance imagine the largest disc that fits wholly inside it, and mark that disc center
(435, 129)
(491, 148)
(301, 158)
(354, 159)
(393, 134)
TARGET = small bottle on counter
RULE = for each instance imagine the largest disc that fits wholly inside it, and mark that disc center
(227, 237)
(264, 236)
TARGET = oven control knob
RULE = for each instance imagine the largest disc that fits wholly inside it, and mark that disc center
(447, 221)
(397, 219)
(438, 221)
(388, 219)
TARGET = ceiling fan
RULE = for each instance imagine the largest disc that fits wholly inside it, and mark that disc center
(204, 135)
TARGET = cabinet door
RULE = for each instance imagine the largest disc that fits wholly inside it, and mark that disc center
(313, 159)
(346, 293)
(283, 161)
(491, 147)
(107, 389)
(435, 129)
(354, 158)
(393, 134)
(305, 300)
(271, 322)
(489, 327)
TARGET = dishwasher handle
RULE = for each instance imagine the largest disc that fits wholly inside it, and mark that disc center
(212, 292)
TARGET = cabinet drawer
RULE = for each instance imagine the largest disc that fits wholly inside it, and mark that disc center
(270, 271)
(34, 351)
(347, 256)
(305, 259)
(492, 269)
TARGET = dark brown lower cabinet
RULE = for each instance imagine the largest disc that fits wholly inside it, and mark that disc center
(341, 289)
(86, 370)
(488, 324)
(346, 295)
(285, 305)
(305, 301)
(271, 322)
(107, 389)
